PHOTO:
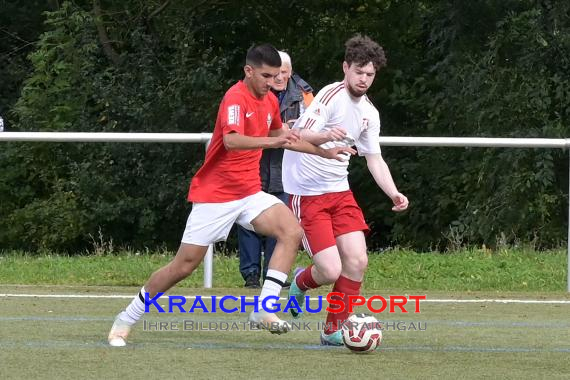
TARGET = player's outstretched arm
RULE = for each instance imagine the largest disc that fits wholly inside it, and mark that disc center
(236, 141)
(318, 138)
(339, 153)
(294, 142)
(381, 173)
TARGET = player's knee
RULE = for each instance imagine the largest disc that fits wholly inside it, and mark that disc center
(186, 269)
(298, 233)
(182, 268)
(293, 233)
(362, 263)
(358, 264)
(330, 273)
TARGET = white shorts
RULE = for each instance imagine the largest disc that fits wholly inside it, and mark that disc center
(212, 222)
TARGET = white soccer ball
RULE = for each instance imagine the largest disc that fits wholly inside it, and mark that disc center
(362, 333)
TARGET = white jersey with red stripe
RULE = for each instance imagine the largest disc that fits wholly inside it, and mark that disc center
(307, 174)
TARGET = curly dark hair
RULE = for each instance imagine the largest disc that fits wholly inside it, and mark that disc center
(361, 50)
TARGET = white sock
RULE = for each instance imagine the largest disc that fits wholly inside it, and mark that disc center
(272, 285)
(135, 310)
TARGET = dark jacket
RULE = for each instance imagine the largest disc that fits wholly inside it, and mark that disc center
(290, 107)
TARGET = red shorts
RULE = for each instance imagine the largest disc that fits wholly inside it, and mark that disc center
(324, 217)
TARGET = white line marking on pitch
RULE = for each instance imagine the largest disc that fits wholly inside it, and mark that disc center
(249, 298)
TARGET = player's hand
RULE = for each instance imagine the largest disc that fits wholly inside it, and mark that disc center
(335, 134)
(293, 135)
(400, 202)
(339, 153)
(285, 139)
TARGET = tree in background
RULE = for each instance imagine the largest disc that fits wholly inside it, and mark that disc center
(493, 69)
(488, 68)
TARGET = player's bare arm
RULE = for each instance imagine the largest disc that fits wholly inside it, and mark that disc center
(339, 153)
(297, 143)
(290, 134)
(318, 138)
(381, 174)
(236, 141)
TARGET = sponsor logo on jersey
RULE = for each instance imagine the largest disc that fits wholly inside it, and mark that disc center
(233, 115)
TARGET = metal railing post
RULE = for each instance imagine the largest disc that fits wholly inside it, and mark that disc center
(209, 267)
(209, 258)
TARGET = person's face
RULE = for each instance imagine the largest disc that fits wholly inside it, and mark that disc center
(358, 79)
(283, 78)
(261, 79)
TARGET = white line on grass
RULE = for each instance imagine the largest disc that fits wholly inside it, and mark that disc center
(85, 345)
(249, 298)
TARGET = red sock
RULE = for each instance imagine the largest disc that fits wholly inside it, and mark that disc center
(349, 288)
(305, 280)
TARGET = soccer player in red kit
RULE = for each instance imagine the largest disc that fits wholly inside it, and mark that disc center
(227, 190)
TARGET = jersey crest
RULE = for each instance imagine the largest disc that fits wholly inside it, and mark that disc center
(364, 125)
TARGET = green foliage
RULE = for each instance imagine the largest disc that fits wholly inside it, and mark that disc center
(62, 59)
(513, 86)
(133, 193)
(488, 68)
(20, 26)
(522, 270)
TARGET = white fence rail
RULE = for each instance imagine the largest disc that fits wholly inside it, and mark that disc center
(204, 138)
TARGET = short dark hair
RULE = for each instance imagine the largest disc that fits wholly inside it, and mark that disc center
(263, 54)
(361, 50)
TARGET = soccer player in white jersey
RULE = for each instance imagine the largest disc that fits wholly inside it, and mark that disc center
(321, 199)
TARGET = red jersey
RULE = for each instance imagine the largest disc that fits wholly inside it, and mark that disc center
(231, 175)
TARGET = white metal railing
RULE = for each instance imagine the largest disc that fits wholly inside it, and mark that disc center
(204, 138)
